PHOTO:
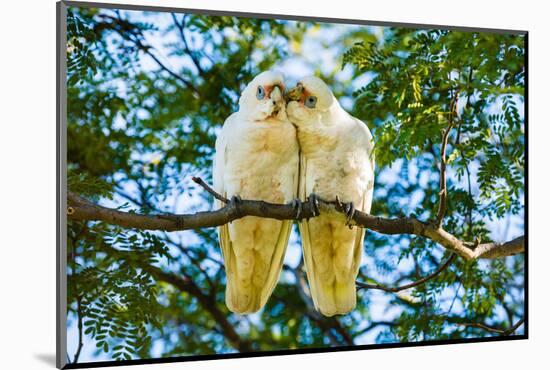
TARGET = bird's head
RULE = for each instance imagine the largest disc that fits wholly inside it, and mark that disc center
(308, 100)
(263, 97)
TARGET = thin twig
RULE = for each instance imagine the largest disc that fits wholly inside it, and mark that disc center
(492, 329)
(467, 105)
(442, 170)
(206, 187)
(80, 340)
(181, 29)
(373, 325)
(440, 269)
(455, 296)
(195, 261)
(147, 50)
(131, 33)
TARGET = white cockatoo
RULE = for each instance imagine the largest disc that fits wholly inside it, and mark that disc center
(257, 158)
(336, 164)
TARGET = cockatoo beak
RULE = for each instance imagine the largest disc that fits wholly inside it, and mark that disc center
(277, 99)
(295, 93)
(276, 95)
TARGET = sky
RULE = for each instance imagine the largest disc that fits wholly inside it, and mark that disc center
(319, 50)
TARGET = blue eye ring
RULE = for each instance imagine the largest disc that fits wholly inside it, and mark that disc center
(260, 93)
(311, 101)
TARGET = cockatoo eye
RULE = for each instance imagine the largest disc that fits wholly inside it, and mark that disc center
(260, 93)
(311, 101)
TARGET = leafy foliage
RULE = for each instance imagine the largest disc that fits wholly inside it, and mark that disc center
(420, 74)
(115, 294)
(415, 79)
(148, 92)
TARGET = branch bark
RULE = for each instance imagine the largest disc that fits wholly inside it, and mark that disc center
(84, 210)
(81, 209)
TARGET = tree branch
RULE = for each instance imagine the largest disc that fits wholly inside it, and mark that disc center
(206, 301)
(80, 329)
(211, 191)
(130, 32)
(181, 29)
(442, 170)
(440, 269)
(81, 209)
(325, 323)
(492, 329)
(374, 325)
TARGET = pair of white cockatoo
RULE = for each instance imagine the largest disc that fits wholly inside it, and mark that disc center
(280, 147)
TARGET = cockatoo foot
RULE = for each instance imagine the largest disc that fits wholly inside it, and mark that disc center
(234, 202)
(349, 209)
(297, 205)
(313, 201)
(339, 204)
(236, 199)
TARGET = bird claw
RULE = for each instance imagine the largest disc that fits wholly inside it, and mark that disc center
(234, 202)
(297, 205)
(339, 205)
(313, 201)
(349, 209)
(236, 199)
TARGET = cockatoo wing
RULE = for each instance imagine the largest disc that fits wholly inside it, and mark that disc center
(332, 251)
(253, 248)
(218, 171)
